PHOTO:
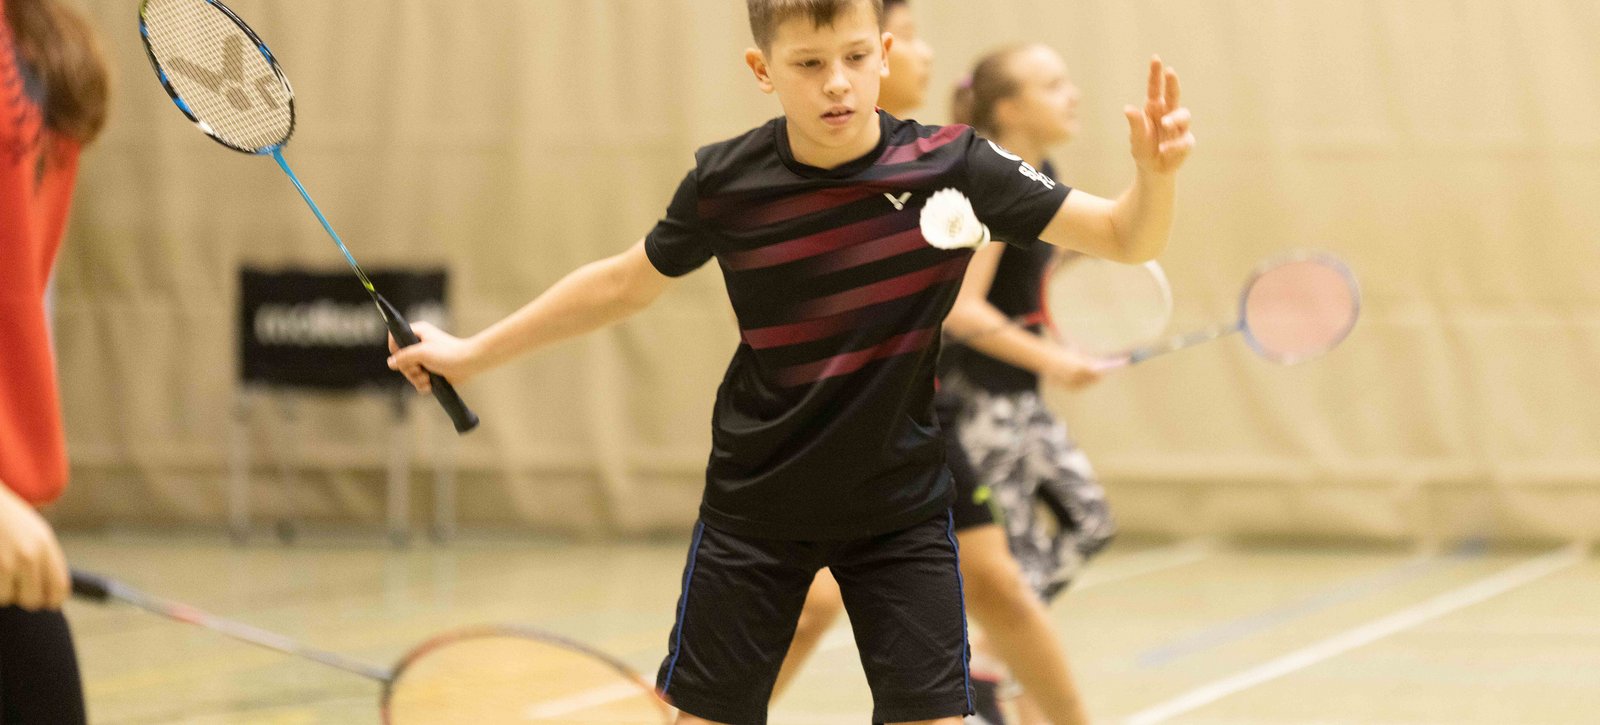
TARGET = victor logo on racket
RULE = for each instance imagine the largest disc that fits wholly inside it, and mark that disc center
(230, 81)
(183, 38)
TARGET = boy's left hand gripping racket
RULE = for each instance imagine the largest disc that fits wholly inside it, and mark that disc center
(223, 78)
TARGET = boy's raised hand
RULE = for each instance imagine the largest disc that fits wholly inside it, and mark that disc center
(1159, 132)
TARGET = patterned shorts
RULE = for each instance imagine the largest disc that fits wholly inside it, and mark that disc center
(1040, 483)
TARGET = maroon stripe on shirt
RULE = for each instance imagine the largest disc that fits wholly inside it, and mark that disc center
(893, 288)
(859, 233)
(906, 241)
(850, 362)
(803, 204)
(762, 338)
(922, 146)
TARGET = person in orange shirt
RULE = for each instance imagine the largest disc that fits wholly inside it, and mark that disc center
(53, 83)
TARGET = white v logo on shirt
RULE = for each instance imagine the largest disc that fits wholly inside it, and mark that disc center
(898, 202)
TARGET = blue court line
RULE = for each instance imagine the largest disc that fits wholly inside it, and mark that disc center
(1239, 629)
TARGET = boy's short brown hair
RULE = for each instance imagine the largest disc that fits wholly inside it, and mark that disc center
(767, 15)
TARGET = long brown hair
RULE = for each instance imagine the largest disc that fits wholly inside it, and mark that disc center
(990, 83)
(58, 44)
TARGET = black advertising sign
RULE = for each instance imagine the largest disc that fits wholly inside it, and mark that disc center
(320, 330)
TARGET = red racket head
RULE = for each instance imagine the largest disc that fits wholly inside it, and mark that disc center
(1298, 308)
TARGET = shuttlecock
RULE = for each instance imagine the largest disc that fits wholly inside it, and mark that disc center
(948, 222)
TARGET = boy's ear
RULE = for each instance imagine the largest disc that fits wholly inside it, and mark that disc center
(758, 65)
(888, 42)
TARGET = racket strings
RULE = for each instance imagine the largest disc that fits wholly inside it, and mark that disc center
(216, 68)
(505, 677)
(1300, 309)
(1106, 308)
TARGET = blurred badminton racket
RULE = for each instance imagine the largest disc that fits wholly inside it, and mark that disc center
(1098, 307)
(1293, 308)
(1103, 308)
(472, 676)
(223, 78)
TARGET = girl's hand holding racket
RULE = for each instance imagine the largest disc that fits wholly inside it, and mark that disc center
(436, 351)
(1073, 371)
(33, 571)
(1159, 132)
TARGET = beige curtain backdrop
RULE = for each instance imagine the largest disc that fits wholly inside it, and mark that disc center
(1448, 149)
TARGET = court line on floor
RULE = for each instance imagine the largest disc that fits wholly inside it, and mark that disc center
(1143, 563)
(591, 698)
(1460, 598)
(1147, 562)
(1342, 593)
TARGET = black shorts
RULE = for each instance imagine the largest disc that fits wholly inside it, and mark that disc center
(39, 680)
(742, 597)
(973, 505)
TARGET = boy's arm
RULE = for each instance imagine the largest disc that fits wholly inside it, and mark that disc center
(592, 296)
(1134, 228)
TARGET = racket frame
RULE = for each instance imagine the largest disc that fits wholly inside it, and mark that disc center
(461, 416)
(183, 106)
(436, 643)
(1242, 324)
(101, 590)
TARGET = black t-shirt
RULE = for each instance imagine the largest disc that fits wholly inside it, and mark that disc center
(1018, 293)
(823, 426)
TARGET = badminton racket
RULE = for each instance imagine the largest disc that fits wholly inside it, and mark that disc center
(1098, 307)
(477, 675)
(1102, 308)
(1293, 308)
(222, 77)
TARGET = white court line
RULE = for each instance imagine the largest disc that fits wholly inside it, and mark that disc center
(1137, 565)
(1484, 589)
(1146, 562)
(581, 701)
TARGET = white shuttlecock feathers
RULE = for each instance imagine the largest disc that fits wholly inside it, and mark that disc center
(948, 222)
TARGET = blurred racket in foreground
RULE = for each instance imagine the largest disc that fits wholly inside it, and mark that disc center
(473, 676)
(1103, 309)
(1292, 309)
(223, 78)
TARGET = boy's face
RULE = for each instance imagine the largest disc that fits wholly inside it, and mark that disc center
(827, 78)
(910, 63)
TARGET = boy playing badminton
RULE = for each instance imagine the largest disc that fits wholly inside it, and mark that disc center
(825, 450)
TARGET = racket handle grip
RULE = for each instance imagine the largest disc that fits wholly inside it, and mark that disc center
(462, 416)
(92, 587)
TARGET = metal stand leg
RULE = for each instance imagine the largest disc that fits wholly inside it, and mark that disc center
(399, 487)
(239, 470)
(289, 413)
(444, 485)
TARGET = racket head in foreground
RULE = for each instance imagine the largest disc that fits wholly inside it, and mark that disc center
(507, 674)
(1299, 307)
(219, 73)
(1104, 308)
